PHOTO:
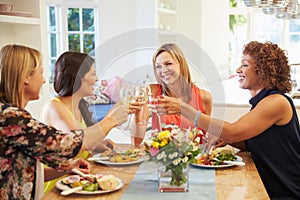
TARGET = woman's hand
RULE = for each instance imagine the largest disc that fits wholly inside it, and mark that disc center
(119, 113)
(220, 143)
(107, 144)
(210, 143)
(166, 105)
(136, 106)
(140, 110)
(80, 164)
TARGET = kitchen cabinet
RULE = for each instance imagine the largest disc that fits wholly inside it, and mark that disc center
(166, 20)
(25, 24)
(161, 15)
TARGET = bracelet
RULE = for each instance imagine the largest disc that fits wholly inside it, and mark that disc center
(197, 118)
(142, 123)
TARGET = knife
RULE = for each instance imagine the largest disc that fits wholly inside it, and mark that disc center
(70, 191)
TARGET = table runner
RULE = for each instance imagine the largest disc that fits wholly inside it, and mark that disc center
(202, 185)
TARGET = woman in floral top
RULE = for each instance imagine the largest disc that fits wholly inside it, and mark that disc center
(25, 142)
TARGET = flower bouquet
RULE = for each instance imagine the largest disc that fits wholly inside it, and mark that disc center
(173, 148)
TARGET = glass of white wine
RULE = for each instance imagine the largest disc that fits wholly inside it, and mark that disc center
(129, 94)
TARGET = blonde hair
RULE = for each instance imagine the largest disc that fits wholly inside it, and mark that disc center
(16, 62)
(185, 78)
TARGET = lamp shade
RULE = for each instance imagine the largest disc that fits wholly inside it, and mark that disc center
(265, 3)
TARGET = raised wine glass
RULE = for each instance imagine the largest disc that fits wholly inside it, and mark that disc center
(131, 93)
(128, 96)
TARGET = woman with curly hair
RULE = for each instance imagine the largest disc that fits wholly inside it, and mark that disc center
(270, 130)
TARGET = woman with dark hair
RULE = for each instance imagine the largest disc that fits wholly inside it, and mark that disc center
(69, 72)
(270, 131)
(26, 143)
(74, 79)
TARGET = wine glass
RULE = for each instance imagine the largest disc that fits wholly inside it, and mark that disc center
(142, 95)
(142, 92)
(153, 100)
(128, 96)
(131, 93)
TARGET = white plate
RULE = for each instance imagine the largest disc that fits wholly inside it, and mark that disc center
(103, 160)
(238, 158)
(61, 186)
(106, 162)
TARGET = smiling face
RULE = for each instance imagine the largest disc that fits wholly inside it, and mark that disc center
(88, 82)
(248, 77)
(167, 68)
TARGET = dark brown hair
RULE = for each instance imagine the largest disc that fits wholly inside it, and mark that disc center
(69, 69)
(271, 64)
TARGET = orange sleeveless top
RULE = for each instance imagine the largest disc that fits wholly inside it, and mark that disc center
(177, 119)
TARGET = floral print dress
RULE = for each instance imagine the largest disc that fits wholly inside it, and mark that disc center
(23, 142)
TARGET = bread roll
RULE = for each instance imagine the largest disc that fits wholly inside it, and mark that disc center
(108, 182)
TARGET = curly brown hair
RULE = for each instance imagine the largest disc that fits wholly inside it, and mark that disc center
(271, 64)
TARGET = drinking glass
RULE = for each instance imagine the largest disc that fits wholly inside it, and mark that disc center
(153, 100)
(128, 96)
(142, 95)
(131, 93)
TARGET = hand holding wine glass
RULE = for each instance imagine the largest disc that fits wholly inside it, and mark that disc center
(136, 98)
(128, 96)
(133, 96)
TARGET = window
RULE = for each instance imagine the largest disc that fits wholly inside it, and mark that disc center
(71, 27)
(53, 38)
(258, 25)
(81, 29)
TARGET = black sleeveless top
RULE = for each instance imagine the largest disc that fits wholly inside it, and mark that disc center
(276, 154)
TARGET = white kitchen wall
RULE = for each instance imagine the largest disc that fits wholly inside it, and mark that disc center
(203, 22)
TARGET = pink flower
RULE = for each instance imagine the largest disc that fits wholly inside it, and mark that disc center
(153, 151)
(12, 130)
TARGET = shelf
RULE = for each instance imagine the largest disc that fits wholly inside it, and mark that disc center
(166, 32)
(167, 11)
(19, 20)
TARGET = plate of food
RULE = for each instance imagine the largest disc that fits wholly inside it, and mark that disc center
(79, 185)
(119, 158)
(218, 159)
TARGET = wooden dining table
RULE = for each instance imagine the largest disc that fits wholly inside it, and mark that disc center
(236, 182)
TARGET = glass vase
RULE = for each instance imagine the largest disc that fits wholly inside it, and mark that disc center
(173, 180)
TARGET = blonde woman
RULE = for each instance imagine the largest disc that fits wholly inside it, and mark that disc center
(173, 78)
(25, 143)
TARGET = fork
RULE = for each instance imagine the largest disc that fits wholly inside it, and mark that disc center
(238, 163)
(89, 177)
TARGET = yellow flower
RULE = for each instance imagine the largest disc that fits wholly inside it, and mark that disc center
(155, 144)
(164, 134)
(164, 142)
